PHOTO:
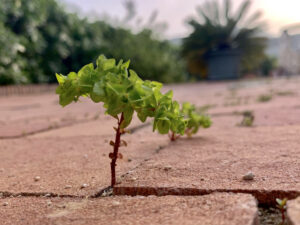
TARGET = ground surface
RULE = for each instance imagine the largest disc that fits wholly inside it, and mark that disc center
(53, 159)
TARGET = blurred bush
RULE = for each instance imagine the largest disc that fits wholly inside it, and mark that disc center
(218, 28)
(268, 65)
(39, 38)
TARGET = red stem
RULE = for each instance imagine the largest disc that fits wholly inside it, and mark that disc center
(115, 153)
(282, 216)
(173, 137)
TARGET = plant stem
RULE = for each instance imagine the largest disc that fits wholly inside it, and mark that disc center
(282, 216)
(173, 136)
(115, 153)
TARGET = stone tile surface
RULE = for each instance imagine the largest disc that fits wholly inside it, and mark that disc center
(61, 162)
(214, 209)
(293, 211)
(218, 159)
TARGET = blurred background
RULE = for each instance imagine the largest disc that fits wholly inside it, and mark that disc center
(166, 40)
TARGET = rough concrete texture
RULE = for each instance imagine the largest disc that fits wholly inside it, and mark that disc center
(64, 164)
(218, 159)
(214, 209)
(68, 147)
(293, 211)
(24, 115)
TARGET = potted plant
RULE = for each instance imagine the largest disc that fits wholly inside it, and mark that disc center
(223, 43)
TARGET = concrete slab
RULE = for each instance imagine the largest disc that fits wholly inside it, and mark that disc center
(293, 211)
(30, 114)
(217, 161)
(64, 164)
(214, 209)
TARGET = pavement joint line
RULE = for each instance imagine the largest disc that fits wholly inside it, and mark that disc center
(264, 197)
(6, 194)
(99, 194)
(70, 124)
(102, 192)
(138, 127)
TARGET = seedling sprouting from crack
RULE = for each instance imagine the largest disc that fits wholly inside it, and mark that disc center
(248, 119)
(281, 205)
(195, 121)
(264, 98)
(123, 94)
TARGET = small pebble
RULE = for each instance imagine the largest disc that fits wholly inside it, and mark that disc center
(248, 176)
(49, 203)
(62, 206)
(37, 178)
(132, 179)
(47, 195)
(1, 170)
(68, 186)
(116, 203)
(167, 167)
(84, 185)
(5, 204)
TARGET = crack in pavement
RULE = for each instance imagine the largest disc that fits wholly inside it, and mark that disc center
(104, 192)
(6, 194)
(264, 197)
(70, 124)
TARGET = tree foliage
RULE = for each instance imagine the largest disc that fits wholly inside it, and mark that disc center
(39, 38)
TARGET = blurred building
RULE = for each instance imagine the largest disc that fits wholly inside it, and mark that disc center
(287, 50)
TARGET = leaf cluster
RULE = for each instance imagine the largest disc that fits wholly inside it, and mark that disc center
(195, 120)
(281, 203)
(123, 91)
(41, 37)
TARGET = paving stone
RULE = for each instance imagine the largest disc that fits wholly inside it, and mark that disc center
(70, 161)
(293, 211)
(214, 209)
(29, 114)
(102, 126)
(217, 160)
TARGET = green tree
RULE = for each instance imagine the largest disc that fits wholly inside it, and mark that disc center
(40, 38)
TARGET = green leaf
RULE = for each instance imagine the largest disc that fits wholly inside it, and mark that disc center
(99, 89)
(134, 77)
(60, 78)
(163, 125)
(127, 113)
(125, 65)
(108, 64)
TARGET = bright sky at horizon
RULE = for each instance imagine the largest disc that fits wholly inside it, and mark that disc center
(277, 13)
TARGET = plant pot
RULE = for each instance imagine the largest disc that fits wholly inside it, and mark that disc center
(224, 64)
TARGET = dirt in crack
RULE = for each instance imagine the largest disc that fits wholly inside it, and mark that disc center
(270, 216)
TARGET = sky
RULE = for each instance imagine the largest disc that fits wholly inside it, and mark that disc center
(276, 13)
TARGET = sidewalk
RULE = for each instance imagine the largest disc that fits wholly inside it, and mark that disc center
(54, 161)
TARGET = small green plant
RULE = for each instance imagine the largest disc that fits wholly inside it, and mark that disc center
(248, 119)
(203, 109)
(285, 93)
(281, 205)
(195, 120)
(124, 93)
(264, 98)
